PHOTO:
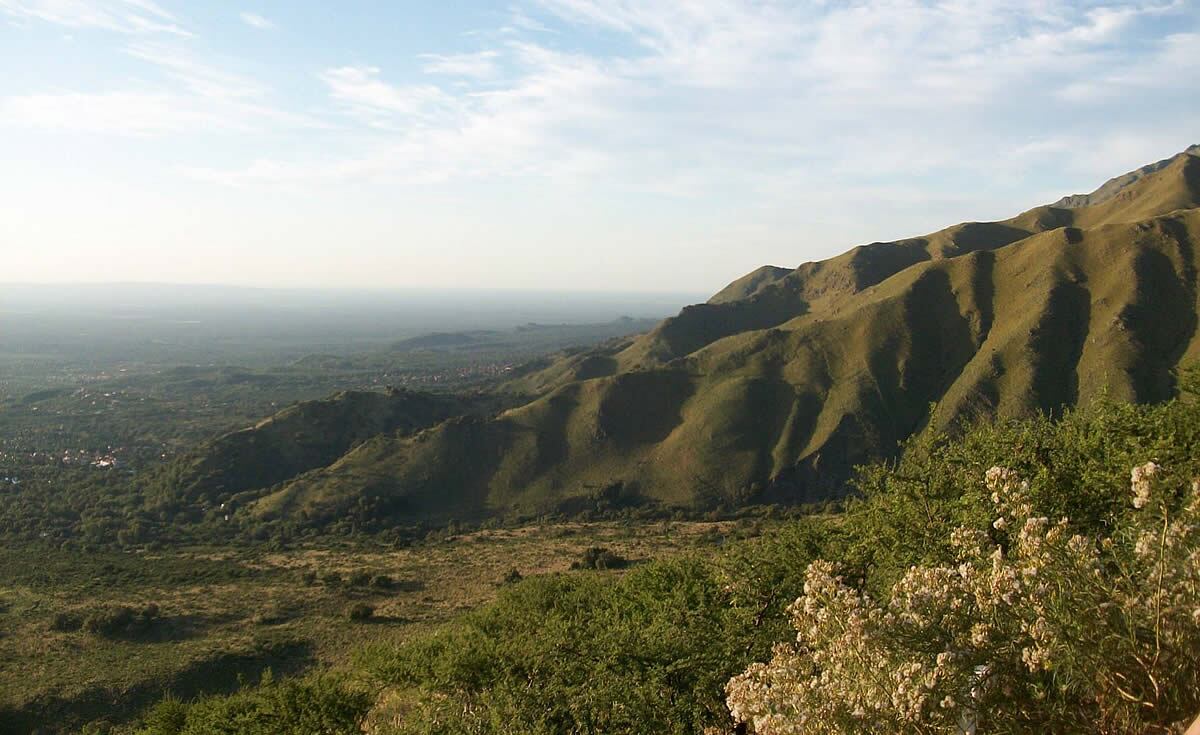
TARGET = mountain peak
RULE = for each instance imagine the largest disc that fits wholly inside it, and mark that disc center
(1117, 184)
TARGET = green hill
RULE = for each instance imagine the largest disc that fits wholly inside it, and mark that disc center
(302, 437)
(783, 382)
(441, 341)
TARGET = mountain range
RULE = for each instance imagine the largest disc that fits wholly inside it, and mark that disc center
(782, 382)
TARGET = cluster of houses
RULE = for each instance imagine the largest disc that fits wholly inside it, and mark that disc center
(102, 460)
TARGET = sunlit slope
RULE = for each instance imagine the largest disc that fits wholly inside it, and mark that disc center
(980, 319)
(770, 296)
(750, 284)
(1117, 184)
(765, 297)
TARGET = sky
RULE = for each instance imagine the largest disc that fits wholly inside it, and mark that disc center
(573, 145)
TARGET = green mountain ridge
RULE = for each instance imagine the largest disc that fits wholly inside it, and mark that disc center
(1117, 184)
(300, 438)
(785, 380)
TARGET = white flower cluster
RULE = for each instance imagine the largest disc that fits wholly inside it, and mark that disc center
(1141, 483)
(988, 638)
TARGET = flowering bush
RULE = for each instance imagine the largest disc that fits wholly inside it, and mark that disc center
(1032, 628)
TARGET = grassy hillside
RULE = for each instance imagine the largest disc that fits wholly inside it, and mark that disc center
(302, 437)
(1118, 184)
(778, 394)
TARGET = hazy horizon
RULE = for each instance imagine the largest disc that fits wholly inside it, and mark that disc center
(151, 284)
(190, 324)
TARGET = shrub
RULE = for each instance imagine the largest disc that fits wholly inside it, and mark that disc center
(121, 621)
(359, 579)
(361, 612)
(512, 576)
(309, 577)
(382, 582)
(66, 622)
(168, 716)
(322, 705)
(646, 652)
(271, 615)
(598, 557)
(332, 579)
(1033, 627)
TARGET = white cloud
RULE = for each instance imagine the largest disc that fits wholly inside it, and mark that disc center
(481, 65)
(201, 78)
(122, 16)
(360, 91)
(1175, 57)
(722, 97)
(121, 113)
(723, 93)
(254, 20)
(194, 97)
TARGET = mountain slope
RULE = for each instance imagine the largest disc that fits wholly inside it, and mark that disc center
(770, 299)
(777, 393)
(1117, 184)
(297, 439)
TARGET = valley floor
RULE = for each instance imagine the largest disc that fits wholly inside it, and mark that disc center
(224, 615)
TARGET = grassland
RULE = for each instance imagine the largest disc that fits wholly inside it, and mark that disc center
(226, 614)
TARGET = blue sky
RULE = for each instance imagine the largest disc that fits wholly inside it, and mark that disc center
(556, 144)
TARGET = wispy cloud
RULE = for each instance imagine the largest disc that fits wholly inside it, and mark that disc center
(193, 96)
(122, 16)
(360, 91)
(723, 93)
(1176, 52)
(480, 65)
(120, 113)
(201, 78)
(254, 20)
(692, 99)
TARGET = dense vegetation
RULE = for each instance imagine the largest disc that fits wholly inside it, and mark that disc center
(653, 650)
(304, 707)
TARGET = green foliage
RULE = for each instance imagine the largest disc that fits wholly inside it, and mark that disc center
(598, 557)
(66, 622)
(168, 716)
(321, 705)
(360, 612)
(1077, 465)
(648, 652)
(1031, 628)
(121, 621)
